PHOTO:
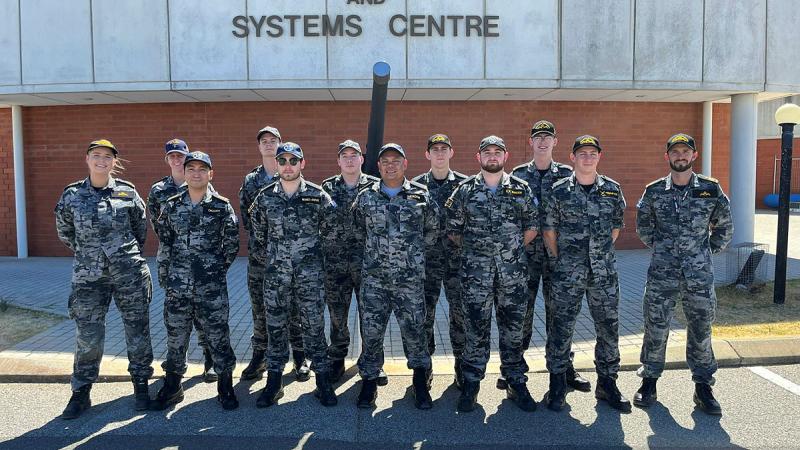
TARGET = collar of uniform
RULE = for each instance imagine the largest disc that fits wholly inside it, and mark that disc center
(278, 189)
(261, 173)
(186, 198)
(553, 166)
(505, 180)
(112, 183)
(694, 181)
(450, 176)
(598, 181)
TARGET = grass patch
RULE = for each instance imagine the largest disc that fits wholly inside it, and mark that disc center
(753, 314)
(18, 324)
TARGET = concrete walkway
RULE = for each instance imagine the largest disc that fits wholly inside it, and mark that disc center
(44, 284)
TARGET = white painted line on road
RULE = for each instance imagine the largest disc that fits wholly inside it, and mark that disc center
(774, 378)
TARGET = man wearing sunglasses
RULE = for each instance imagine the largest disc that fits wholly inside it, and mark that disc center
(583, 218)
(399, 223)
(288, 218)
(443, 263)
(540, 174)
(343, 253)
(492, 216)
(268, 138)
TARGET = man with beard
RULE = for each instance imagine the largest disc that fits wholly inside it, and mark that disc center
(343, 253)
(288, 216)
(492, 216)
(176, 151)
(443, 263)
(583, 218)
(540, 174)
(398, 223)
(684, 217)
(268, 138)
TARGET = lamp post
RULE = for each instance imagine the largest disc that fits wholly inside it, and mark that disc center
(381, 72)
(787, 116)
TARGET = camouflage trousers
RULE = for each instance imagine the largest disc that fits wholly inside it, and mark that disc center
(507, 294)
(302, 288)
(443, 267)
(665, 286)
(162, 262)
(207, 303)
(539, 268)
(255, 286)
(380, 296)
(340, 283)
(571, 282)
(92, 291)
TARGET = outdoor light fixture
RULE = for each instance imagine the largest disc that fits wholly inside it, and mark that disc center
(787, 116)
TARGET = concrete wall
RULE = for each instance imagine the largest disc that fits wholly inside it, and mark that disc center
(162, 45)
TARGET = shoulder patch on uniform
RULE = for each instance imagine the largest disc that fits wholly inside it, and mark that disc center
(313, 185)
(174, 197)
(372, 178)
(74, 184)
(707, 178)
(255, 169)
(518, 180)
(419, 185)
(564, 167)
(654, 182)
(467, 180)
(329, 179)
(126, 183)
(162, 180)
(459, 175)
(216, 195)
(609, 179)
(419, 177)
(561, 181)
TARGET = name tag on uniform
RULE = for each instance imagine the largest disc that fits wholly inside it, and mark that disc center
(614, 194)
(512, 191)
(416, 197)
(310, 200)
(214, 211)
(122, 194)
(449, 202)
(703, 193)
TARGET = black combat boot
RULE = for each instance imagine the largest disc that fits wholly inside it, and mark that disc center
(519, 394)
(324, 391)
(557, 395)
(646, 395)
(458, 380)
(382, 379)
(368, 394)
(337, 370)
(255, 370)
(272, 391)
(169, 394)
(421, 385)
(502, 384)
(209, 376)
(78, 403)
(301, 370)
(607, 390)
(704, 399)
(225, 394)
(141, 394)
(576, 381)
(469, 396)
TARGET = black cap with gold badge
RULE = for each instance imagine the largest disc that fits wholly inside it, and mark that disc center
(586, 140)
(681, 138)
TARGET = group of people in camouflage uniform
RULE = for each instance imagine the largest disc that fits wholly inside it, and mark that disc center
(488, 240)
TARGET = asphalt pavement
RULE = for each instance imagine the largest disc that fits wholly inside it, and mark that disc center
(758, 412)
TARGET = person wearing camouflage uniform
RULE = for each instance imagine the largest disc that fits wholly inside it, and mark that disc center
(288, 218)
(102, 220)
(684, 217)
(492, 216)
(176, 151)
(583, 217)
(342, 253)
(201, 239)
(540, 174)
(268, 138)
(398, 222)
(443, 263)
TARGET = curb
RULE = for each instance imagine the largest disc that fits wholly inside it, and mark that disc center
(24, 367)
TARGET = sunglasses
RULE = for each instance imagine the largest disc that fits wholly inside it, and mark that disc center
(291, 161)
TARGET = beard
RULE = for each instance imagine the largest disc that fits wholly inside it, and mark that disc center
(289, 177)
(492, 167)
(680, 167)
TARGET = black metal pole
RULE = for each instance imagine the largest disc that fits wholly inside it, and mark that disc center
(787, 135)
(377, 116)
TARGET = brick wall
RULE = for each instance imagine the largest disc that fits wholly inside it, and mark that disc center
(8, 228)
(768, 150)
(633, 135)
